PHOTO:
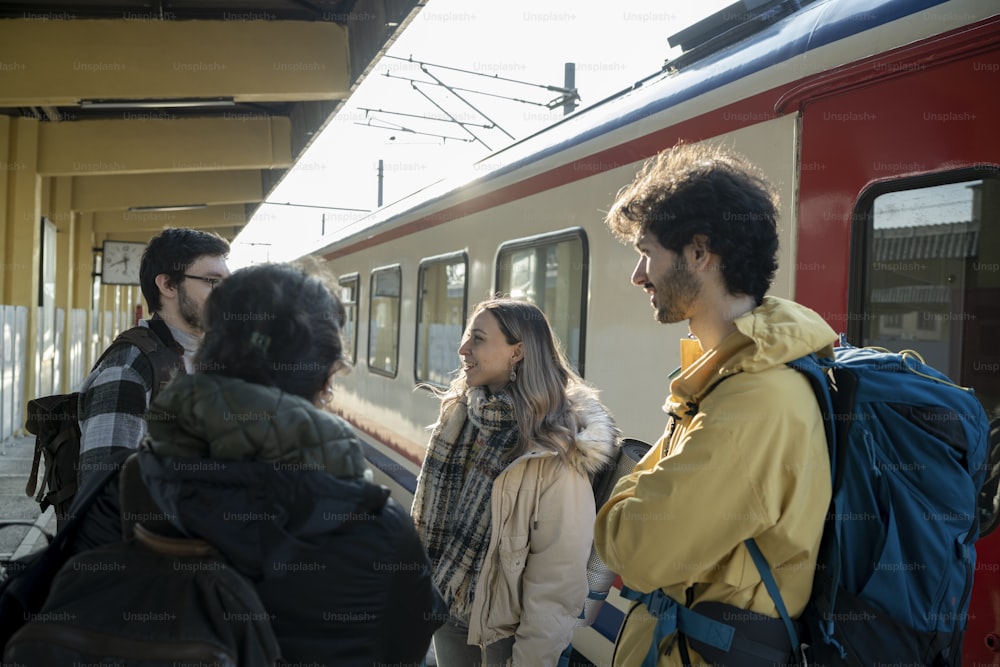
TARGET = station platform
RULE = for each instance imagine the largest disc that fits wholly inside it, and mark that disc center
(15, 465)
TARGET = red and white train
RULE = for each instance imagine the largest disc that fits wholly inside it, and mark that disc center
(877, 120)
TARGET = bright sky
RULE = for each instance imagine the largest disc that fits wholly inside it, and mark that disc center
(612, 44)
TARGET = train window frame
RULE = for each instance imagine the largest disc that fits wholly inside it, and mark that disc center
(398, 269)
(342, 281)
(861, 313)
(548, 239)
(862, 220)
(460, 256)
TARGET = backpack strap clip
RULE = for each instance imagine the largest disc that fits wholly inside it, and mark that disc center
(673, 617)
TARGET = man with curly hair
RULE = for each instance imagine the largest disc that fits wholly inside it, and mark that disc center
(744, 454)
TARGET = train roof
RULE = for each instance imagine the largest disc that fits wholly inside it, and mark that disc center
(813, 26)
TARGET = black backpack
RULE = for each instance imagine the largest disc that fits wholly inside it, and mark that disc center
(26, 581)
(154, 600)
(54, 422)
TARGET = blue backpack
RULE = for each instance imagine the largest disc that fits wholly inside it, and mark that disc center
(908, 453)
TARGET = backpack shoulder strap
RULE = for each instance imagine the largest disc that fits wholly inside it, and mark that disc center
(835, 388)
(772, 588)
(154, 341)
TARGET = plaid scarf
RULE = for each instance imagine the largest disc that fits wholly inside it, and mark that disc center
(451, 506)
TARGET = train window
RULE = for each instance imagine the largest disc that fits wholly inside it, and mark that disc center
(551, 270)
(383, 321)
(930, 281)
(441, 299)
(349, 294)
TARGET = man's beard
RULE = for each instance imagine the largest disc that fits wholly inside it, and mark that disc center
(674, 296)
(190, 312)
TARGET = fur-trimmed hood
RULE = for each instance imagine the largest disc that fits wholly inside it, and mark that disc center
(597, 435)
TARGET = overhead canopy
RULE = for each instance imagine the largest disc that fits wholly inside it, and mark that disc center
(180, 112)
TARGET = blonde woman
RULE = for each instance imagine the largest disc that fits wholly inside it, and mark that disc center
(504, 503)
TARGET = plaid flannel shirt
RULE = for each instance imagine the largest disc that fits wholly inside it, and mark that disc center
(112, 405)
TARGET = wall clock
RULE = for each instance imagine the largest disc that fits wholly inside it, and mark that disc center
(120, 263)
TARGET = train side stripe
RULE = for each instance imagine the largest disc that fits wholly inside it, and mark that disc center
(393, 470)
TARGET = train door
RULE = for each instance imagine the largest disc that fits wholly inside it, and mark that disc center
(899, 227)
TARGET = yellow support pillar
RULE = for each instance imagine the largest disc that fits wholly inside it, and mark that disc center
(83, 260)
(83, 283)
(21, 252)
(59, 211)
(7, 167)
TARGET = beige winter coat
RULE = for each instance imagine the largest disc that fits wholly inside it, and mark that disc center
(533, 582)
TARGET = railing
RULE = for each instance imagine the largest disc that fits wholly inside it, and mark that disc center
(53, 366)
(13, 365)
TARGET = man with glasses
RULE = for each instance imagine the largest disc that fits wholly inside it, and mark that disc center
(179, 269)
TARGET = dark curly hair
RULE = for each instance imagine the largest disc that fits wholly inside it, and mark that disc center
(275, 325)
(702, 189)
(171, 252)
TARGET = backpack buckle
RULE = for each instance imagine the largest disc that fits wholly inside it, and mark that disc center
(803, 655)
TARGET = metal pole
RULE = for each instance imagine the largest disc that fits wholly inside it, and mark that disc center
(569, 83)
(380, 172)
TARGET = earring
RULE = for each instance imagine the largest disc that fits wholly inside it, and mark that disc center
(327, 395)
(513, 374)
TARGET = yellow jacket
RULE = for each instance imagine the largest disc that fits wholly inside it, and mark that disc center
(747, 460)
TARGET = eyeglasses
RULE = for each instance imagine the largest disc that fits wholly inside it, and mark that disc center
(212, 282)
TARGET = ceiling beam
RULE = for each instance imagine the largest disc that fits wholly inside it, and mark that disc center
(59, 63)
(125, 225)
(102, 147)
(228, 233)
(108, 193)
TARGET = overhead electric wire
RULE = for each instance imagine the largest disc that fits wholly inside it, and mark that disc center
(557, 89)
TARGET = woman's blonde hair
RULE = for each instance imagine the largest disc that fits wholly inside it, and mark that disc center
(542, 407)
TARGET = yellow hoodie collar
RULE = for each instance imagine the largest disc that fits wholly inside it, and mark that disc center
(770, 335)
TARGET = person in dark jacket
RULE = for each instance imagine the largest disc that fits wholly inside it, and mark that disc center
(242, 454)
